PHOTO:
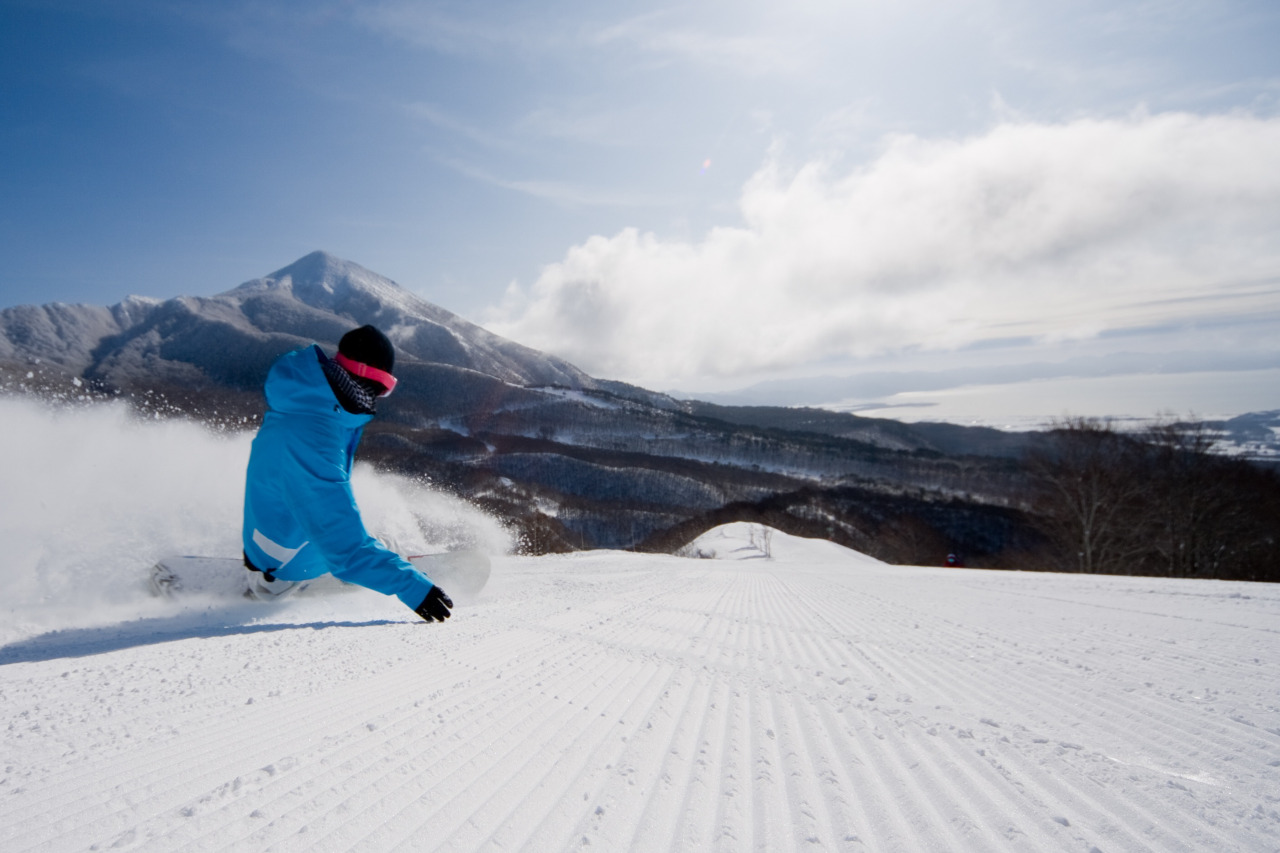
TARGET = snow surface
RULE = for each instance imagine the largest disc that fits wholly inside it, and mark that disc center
(787, 694)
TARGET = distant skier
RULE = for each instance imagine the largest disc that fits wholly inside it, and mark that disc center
(300, 516)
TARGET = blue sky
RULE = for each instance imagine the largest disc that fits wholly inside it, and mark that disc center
(698, 196)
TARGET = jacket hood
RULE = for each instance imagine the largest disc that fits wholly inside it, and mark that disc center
(297, 385)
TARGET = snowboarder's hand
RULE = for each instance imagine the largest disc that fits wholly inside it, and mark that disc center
(436, 606)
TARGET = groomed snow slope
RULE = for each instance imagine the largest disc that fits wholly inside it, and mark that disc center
(815, 700)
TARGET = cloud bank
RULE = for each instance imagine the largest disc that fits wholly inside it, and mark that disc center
(1031, 230)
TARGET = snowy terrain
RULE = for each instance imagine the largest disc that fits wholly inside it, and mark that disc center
(140, 341)
(807, 698)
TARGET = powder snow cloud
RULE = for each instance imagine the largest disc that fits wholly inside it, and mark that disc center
(1036, 231)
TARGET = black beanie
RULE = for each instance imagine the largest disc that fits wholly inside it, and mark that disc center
(369, 346)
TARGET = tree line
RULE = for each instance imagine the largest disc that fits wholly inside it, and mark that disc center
(1155, 502)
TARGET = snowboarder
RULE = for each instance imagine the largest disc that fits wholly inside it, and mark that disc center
(300, 516)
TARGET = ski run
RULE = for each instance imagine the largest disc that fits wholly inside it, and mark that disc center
(808, 698)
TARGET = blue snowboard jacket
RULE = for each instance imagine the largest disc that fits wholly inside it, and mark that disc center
(300, 517)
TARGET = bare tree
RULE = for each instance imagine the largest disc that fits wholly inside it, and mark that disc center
(760, 536)
(1184, 498)
(1159, 502)
(1206, 513)
(1089, 498)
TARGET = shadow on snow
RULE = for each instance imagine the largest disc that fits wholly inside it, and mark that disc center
(82, 642)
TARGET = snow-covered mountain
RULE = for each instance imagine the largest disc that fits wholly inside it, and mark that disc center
(1255, 435)
(230, 338)
(304, 296)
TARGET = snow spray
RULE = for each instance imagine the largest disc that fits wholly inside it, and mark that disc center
(92, 496)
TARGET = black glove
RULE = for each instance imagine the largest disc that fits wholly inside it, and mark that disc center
(436, 606)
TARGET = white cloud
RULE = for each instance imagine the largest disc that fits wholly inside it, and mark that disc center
(1031, 229)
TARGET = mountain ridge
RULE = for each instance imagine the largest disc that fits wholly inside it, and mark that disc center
(569, 460)
(315, 299)
(224, 344)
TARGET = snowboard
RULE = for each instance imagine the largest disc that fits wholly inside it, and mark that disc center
(461, 574)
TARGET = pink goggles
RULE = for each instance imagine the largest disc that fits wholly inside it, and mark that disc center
(364, 371)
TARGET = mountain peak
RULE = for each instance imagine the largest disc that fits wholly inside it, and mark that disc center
(319, 265)
(330, 283)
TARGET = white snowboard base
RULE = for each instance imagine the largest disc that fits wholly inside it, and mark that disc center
(461, 574)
